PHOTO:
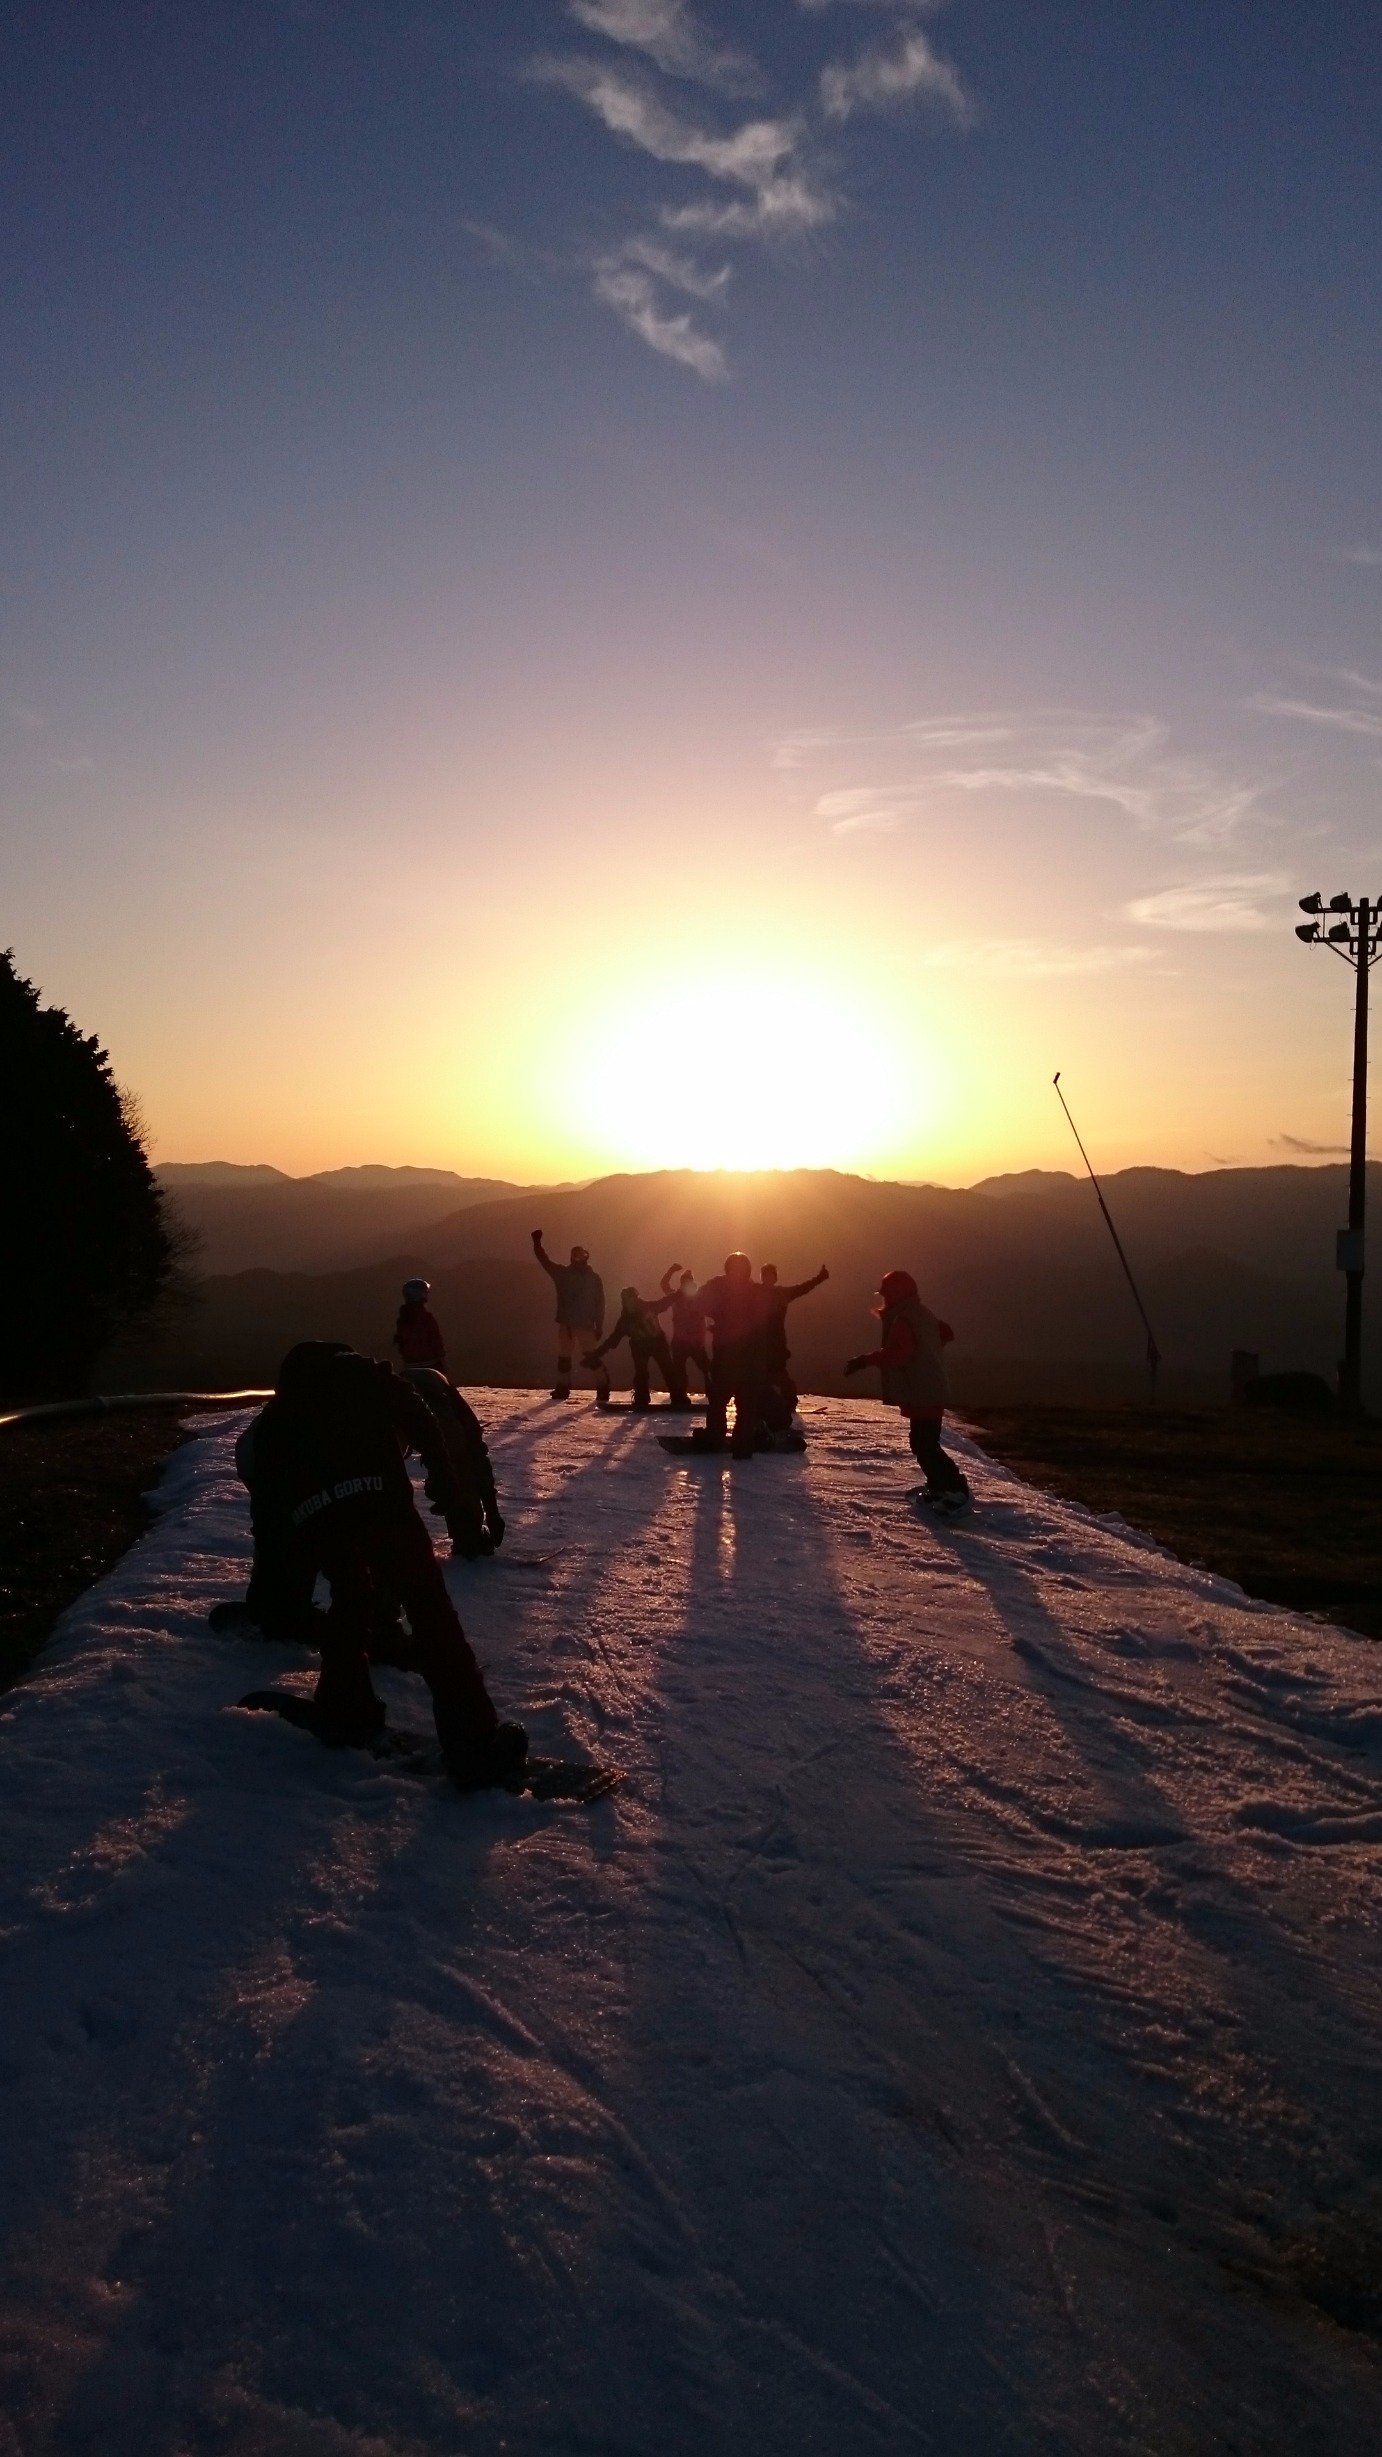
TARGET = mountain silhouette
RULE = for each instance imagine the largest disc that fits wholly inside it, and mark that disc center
(1020, 1265)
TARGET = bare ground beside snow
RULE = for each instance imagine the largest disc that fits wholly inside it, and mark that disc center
(960, 2035)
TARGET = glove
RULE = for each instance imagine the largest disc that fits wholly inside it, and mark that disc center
(823, 1274)
(855, 1364)
(537, 1237)
(496, 1528)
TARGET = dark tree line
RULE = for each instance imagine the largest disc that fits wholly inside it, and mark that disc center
(84, 1245)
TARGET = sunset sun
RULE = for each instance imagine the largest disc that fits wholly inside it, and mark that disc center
(744, 1075)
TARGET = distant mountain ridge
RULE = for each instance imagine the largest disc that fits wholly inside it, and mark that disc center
(251, 1216)
(1022, 1267)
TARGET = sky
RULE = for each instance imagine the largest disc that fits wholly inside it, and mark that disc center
(616, 585)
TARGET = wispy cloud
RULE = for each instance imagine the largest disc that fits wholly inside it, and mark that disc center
(668, 34)
(1227, 904)
(631, 289)
(1030, 959)
(1339, 720)
(1310, 1151)
(749, 156)
(763, 180)
(858, 810)
(886, 80)
(1347, 703)
(1123, 762)
(1367, 558)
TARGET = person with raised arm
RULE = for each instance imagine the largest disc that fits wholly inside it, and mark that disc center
(638, 1324)
(777, 1354)
(687, 1342)
(580, 1315)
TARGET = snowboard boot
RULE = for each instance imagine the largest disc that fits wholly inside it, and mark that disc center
(561, 1390)
(346, 1713)
(493, 1764)
(602, 1395)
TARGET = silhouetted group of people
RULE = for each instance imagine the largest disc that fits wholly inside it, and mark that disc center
(331, 1496)
(733, 1332)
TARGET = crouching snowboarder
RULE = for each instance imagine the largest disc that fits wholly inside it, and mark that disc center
(580, 1314)
(329, 1467)
(638, 1324)
(912, 1362)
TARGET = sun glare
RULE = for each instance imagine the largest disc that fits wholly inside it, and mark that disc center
(735, 1075)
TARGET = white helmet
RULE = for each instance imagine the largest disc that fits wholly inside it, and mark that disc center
(416, 1292)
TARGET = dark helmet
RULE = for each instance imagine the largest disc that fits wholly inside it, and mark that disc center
(738, 1267)
(580, 1256)
(897, 1287)
(309, 1364)
(768, 1275)
(416, 1292)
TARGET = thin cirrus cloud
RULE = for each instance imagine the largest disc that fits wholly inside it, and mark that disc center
(1124, 763)
(668, 34)
(1350, 703)
(1229, 904)
(632, 290)
(763, 180)
(887, 80)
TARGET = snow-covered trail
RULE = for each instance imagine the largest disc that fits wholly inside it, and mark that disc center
(960, 2035)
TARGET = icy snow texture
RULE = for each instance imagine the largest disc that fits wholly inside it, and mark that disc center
(960, 2035)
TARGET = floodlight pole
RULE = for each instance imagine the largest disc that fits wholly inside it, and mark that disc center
(1357, 937)
(1351, 1373)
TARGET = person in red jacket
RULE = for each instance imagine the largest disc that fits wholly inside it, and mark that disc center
(739, 1309)
(417, 1332)
(912, 1363)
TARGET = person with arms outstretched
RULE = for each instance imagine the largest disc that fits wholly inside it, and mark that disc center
(580, 1315)
(638, 1324)
(687, 1341)
(911, 1360)
(777, 1354)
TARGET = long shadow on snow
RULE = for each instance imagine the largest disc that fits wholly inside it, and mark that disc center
(801, 2275)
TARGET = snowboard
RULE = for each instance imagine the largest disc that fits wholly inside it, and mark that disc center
(691, 1446)
(543, 1778)
(659, 1407)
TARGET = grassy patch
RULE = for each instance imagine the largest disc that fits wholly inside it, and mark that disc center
(1291, 1508)
(71, 1502)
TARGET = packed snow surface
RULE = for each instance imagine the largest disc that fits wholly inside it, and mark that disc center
(959, 2035)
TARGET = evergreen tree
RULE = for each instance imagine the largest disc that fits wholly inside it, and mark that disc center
(84, 1246)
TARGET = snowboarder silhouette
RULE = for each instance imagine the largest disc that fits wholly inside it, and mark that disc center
(329, 1464)
(580, 1314)
(470, 1502)
(638, 1324)
(911, 1360)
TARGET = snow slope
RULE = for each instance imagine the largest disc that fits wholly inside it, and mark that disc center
(960, 2035)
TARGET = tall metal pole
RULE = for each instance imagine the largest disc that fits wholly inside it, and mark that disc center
(1351, 1371)
(1153, 1352)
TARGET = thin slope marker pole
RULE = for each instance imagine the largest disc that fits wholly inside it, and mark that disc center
(1153, 1352)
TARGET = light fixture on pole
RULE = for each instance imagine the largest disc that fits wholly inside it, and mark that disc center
(1357, 937)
